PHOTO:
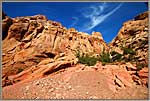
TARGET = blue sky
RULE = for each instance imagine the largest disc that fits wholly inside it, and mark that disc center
(104, 17)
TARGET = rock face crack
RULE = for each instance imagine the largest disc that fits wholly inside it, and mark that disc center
(118, 82)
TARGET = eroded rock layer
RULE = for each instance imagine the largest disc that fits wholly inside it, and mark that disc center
(36, 49)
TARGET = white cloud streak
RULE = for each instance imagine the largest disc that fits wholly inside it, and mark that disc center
(97, 16)
(75, 21)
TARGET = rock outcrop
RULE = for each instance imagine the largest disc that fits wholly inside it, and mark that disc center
(35, 47)
(33, 39)
(134, 35)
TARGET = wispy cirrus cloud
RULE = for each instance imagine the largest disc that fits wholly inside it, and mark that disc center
(97, 14)
(75, 21)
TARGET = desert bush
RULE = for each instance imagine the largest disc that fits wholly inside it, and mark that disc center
(128, 51)
(88, 60)
(128, 54)
(105, 57)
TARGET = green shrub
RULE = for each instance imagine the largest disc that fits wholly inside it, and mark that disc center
(105, 57)
(128, 51)
(90, 61)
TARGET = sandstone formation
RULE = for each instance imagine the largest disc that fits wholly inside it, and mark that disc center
(6, 22)
(37, 49)
(134, 34)
(79, 82)
(31, 40)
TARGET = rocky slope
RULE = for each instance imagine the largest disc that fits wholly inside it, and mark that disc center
(134, 34)
(36, 49)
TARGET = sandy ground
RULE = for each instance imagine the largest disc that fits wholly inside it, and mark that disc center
(70, 84)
